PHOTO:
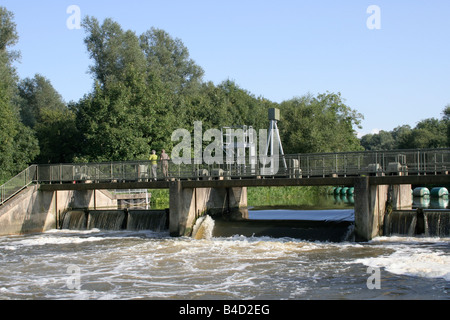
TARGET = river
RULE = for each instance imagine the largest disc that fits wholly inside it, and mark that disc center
(106, 265)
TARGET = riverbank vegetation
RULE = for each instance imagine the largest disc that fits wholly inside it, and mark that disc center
(146, 86)
(286, 196)
(264, 196)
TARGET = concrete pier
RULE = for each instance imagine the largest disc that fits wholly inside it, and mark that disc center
(188, 204)
(371, 204)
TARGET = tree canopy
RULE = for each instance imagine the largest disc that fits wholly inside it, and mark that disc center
(319, 124)
(18, 145)
(428, 133)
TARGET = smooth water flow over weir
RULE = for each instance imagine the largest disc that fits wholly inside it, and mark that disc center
(309, 225)
(114, 220)
(429, 223)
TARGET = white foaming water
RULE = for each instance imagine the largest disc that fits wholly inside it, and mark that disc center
(203, 228)
(412, 260)
(150, 265)
(47, 239)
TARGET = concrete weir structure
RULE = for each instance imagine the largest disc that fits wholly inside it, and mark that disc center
(371, 204)
(38, 208)
(188, 204)
(34, 210)
(34, 200)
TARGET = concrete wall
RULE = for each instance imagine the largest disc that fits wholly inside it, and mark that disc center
(401, 197)
(34, 211)
(371, 204)
(188, 204)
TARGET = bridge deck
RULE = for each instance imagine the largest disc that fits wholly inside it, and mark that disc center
(275, 182)
(430, 166)
(324, 169)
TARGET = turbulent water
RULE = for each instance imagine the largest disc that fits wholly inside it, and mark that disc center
(96, 264)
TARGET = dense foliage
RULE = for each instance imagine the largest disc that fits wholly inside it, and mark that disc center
(18, 144)
(428, 133)
(146, 86)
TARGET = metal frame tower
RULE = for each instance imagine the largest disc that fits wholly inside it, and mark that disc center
(274, 133)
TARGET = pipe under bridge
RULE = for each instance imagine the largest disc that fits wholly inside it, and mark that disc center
(380, 178)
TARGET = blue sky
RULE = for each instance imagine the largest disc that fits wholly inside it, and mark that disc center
(399, 74)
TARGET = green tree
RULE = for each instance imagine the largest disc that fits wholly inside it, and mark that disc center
(130, 110)
(140, 94)
(37, 95)
(179, 79)
(368, 142)
(115, 119)
(8, 127)
(114, 123)
(402, 136)
(429, 133)
(318, 124)
(380, 141)
(243, 108)
(18, 146)
(58, 136)
(207, 104)
(446, 120)
(112, 49)
(43, 110)
(225, 105)
(169, 59)
(26, 148)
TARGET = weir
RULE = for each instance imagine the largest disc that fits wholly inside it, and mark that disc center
(381, 180)
(115, 220)
(226, 205)
(429, 223)
(332, 231)
(107, 220)
(371, 203)
(189, 204)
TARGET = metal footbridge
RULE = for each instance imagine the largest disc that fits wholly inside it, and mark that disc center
(424, 166)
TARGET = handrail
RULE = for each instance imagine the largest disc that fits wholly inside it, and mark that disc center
(396, 162)
(18, 183)
(400, 162)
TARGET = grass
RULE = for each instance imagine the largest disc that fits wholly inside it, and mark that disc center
(286, 196)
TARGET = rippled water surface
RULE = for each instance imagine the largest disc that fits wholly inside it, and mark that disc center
(95, 264)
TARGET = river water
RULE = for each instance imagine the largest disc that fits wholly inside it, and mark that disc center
(98, 264)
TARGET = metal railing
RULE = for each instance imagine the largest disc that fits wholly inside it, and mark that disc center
(399, 162)
(18, 183)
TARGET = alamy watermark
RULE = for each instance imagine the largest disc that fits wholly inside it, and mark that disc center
(230, 146)
(374, 20)
(74, 20)
(73, 282)
(374, 280)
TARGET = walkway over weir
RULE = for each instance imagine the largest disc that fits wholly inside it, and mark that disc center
(414, 166)
(378, 177)
(425, 166)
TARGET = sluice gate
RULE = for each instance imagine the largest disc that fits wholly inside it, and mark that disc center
(115, 220)
(420, 222)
